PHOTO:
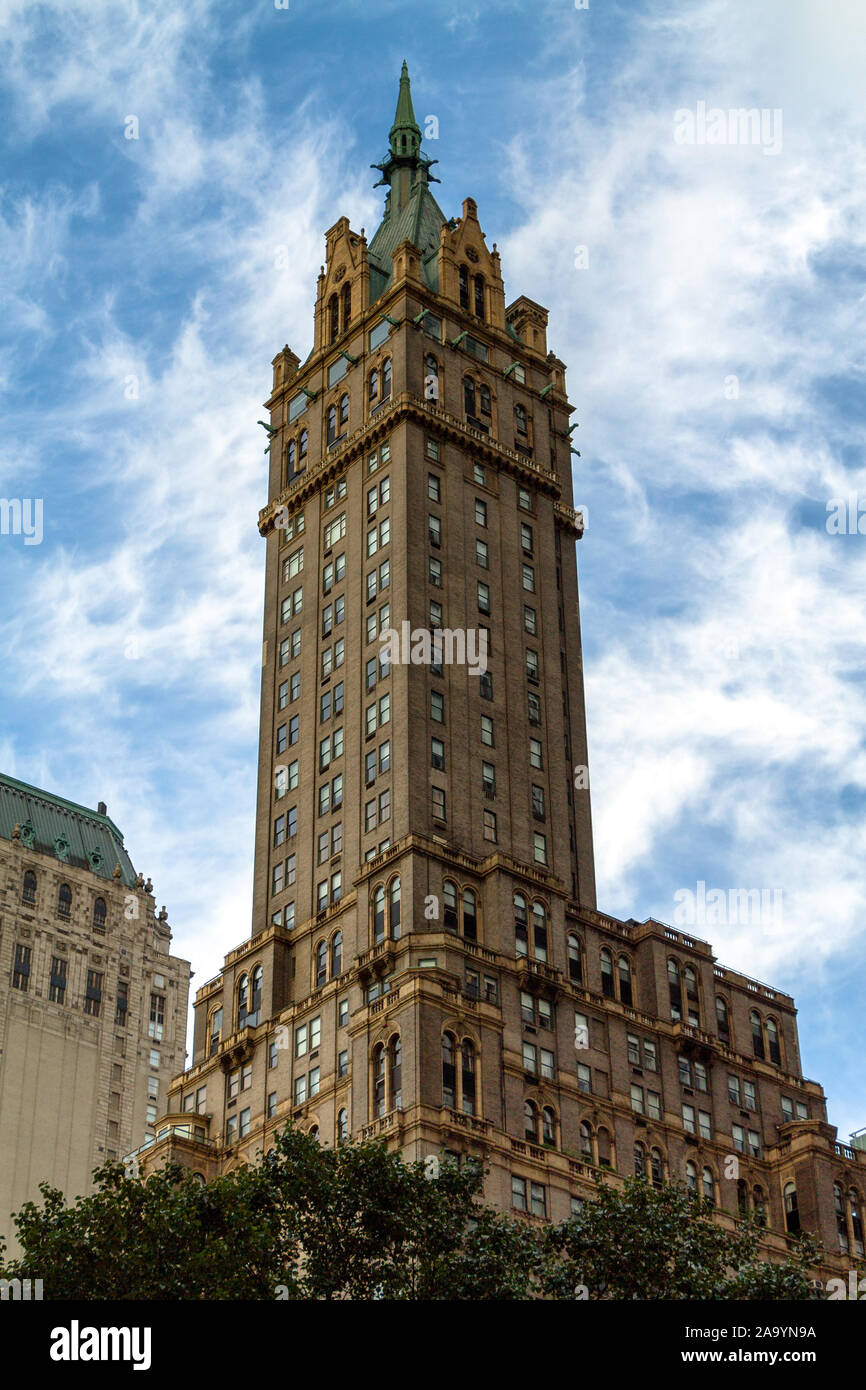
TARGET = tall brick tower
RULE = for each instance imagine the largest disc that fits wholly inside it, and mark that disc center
(426, 959)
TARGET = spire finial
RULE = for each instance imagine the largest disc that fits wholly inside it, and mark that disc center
(405, 166)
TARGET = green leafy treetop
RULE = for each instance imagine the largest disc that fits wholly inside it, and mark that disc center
(310, 1222)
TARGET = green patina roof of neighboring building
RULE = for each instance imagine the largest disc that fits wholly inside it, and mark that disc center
(70, 833)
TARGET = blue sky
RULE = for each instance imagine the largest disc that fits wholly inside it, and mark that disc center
(707, 298)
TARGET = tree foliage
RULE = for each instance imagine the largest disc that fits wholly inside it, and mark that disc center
(357, 1222)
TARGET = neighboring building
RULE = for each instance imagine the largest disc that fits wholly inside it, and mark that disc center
(92, 1005)
(427, 962)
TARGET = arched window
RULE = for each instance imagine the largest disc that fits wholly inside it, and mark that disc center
(691, 1177)
(302, 445)
(321, 964)
(314, 1131)
(693, 1003)
(607, 973)
(639, 1160)
(347, 306)
(468, 1077)
(539, 931)
(336, 955)
(216, 1028)
(379, 1081)
(386, 379)
(521, 932)
(530, 1122)
(463, 277)
(675, 991)
(792, 1210)
(256, 996)
(759, 1202)
(394, 918)
(64, 900)
(344, 409)
(469, 396)
(585, 1135)
(395, 1057)
(742, 1197)
(379, 914)
(431, 378)
(484, 399)
(657, 1168)
(290, 460)
(856, 1220)
(332, 423)
(449, 894)
(449, 1073)
(28, 892)
(773, 1047)
(723, 1022)
(548, 1127)
(99, 914)
(757, 1034)
(520, 418)
(243, 1000)
(575, 960)
(839, 1213)
(625, 991)
(479, 296)
(334, 317)
(604, 1150)
(709, 1187)
(373, 386)
(470, 915)
(342, 1126)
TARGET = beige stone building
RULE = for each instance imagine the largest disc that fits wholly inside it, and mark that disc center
(92, 1004)
(427, 961)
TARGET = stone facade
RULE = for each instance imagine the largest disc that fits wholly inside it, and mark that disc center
(427, 961)
(86, 1050)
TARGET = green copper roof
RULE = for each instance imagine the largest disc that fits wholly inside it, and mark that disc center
(420, 221)
(411, 211)
(70, 833)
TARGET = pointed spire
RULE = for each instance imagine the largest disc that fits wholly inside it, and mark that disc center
(405, 133)
(405, 166)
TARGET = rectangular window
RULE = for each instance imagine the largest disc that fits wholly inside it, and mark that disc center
(535, 754)
(481, 555)
(438, 798)
(518, 1193)
(157, 1017)
(689, 1119)
(483, 597)
(489, 826)
(437, 706)
(480, 512)
(530, 619)
(437, 754)
(584, 1079)
(434, 486)
(57, 984)
(548, 1065)
(530, 1061)
(434, 572)
(654, 1105)
(487, 731)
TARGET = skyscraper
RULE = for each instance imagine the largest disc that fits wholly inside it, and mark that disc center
(427, 961)
(92, 1003)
